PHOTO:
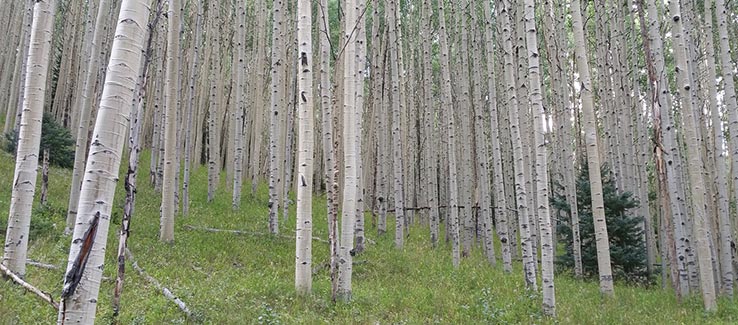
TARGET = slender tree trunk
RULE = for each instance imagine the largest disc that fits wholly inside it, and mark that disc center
(447, 103)
(500, 200)
(79, 297)
(303, 257)
(86, 106)
(277, 98)
(169, 187)
(350, 153)
(190, 111)
(240, 105)
(29, 139)
(519, 168)
(539, 118)
(694, 159)
(723, 196)
(593, 158)
(397, 109)
(45, 178)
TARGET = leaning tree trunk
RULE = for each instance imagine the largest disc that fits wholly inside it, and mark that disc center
(86, 255)
(694, 159)
(593, 156)
(169, 187)
(83, 124)
(304, 226)
(29, 139)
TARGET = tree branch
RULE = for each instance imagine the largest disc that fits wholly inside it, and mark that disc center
(41, 294)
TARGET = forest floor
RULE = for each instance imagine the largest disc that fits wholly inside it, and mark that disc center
(226, 278)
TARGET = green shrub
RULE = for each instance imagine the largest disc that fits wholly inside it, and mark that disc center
(54, 137)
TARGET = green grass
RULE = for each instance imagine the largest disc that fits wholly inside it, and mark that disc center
(229, 279)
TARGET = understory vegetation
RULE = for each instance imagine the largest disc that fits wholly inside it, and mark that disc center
(227, 279)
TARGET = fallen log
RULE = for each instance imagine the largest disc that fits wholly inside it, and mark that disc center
(41, 294)
(167, 293)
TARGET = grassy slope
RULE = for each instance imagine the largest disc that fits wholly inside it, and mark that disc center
(226, 278)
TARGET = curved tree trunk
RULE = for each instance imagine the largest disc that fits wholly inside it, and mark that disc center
(86, 255)
(29, 139)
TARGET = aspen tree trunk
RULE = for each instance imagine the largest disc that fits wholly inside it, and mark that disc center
(697, 183)
(303, 254)
(431, 174)
(397, 109)
(500, 200)
(447, 103)
(277, 99)
(484, 199)
(213, 142)
(729, 97)
(17, 88)
(723, 196)
(29, 139)
(240, 105)
(668, 160)
(593, 158)
(86, 256)
(329, 153)
(360, 69)
(558, 58)
(539, 118)
(520, 189)
(169, 187)
(190, 111)
(86, 106)
(350, 152)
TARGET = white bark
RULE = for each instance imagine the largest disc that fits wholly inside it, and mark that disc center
(29, 139)
(541, 165)
(593, 155)
(304, 226)
(350, 159)
(169, 186)
(694, 158)
(86, 255)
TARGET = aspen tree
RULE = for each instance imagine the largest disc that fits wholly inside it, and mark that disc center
(303, 254)
(521, 195)
(593, 158)
(697, 183)
(18, 81)
(723, 196)
(240, 105)
(431, 174)
(169, 187)
(29, 139)
(350, 152)
(194, 75)
(86, 256)
(541, 165)
(447, 104)
(397, 108)
(277, 100)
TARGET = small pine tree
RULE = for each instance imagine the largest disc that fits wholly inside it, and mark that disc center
(54, 137)
(627, 246)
